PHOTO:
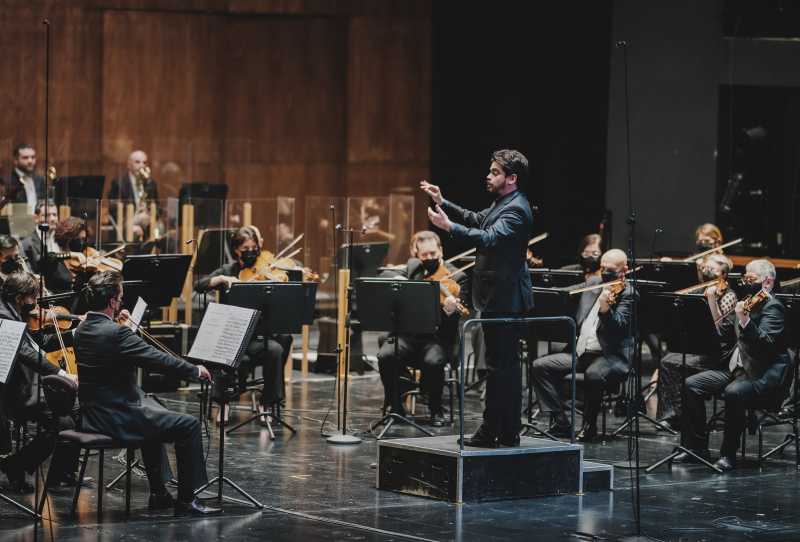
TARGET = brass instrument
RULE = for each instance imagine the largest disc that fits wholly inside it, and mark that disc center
(142, 176)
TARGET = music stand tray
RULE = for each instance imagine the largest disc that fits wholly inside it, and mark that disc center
(555, 278)
(283, 307)
(398, 307)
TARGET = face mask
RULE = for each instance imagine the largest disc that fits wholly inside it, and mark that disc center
(249, 258)
(608, 276)
(702, 247)
(709, 274)
(26, 309)
(751, 288)
(76, 245)
(430, 266)
(10, 266)
(590, 264)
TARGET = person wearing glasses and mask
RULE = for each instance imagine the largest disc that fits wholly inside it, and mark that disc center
(604, 350)
(267, 352)
(589, 254)
(756, 371)
(429, 352)
(10, 259)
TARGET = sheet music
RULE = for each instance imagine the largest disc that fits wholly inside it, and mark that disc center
(10, 336)
(136, 316)
(221, 333)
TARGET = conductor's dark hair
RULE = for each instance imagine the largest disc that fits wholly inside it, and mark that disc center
(22, 283)
(20, 147)
(102, 288)
(8, 242)
(513, 162)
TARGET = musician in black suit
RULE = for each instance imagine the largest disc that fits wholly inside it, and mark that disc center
(604, 348)
(126, 187)
(428, 352)
(501, 286)
(23, 185)
(757, 371)
(112, 403)
(268, 352)
(32, 244)
(19, 402)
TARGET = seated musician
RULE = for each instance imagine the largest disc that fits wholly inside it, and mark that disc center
(32, 244)
(10, 259)
(112, 404)
(589, 254)
(429, 353)
(604, 350)
(755, 372)
(70, 237)
(19, 402)
(267, 352)
(706, 237)
(715, 266)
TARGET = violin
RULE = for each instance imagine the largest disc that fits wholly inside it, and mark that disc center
(614, 289)
(91, 261)
(53, 317)
(263, 269)
(750, 303)
(447, 287)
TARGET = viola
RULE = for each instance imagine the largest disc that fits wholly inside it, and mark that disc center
(447, 287)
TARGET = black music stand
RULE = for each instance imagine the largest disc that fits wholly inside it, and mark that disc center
(690, 330)
(555, 278)
(284, 309)
(363, 259)
(79, 187)
(156, 278)
(677, 273)
(550, 302)
(399, 307)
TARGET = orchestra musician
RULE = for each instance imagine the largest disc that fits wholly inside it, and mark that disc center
(24, 186)
(267, 352)
(18, 400)
(604, 349)
(32, 244)
(113, 404)
(10, 259)
(70, 237)
(130, 187)
(501, 286)
(670, 374)
(706, 237)
(429, 352)
(756, 371)
(589, 254)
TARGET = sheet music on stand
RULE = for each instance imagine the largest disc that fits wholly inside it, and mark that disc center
(11, 333)
(136, 315)
(224, 334)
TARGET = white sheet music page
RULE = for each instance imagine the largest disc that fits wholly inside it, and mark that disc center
(221, 333)
(10, 336)
(136, 316)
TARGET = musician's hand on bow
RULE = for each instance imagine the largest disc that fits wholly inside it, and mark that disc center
(433, 191)
(711, 292)
(124, 316)
(204, 374)
(450, 305)
(439, 218)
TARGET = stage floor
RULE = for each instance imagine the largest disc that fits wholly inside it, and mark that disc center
(313, 490)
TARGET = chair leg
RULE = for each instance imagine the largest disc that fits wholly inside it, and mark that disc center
(77, 492)
(100, 486)
(129, 460)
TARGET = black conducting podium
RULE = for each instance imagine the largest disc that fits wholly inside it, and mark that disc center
(689, 329)
(285, 307)
(399, 307)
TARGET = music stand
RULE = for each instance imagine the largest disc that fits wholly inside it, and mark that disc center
(555, 278)
(79, 187)
(284, 309)
(158, 277)
(408, 307)
(364, 258)
(550, 302)
(678, 274)
(690, 329)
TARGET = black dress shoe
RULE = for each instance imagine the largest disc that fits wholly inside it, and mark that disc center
(483, 438)
(588, 434)
(195, 508)
(725, 463)
(437, 418)
(509, 441)
(683, 457)
(161, 501)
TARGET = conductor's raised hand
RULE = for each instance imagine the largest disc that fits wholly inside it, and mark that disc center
(439, 218)
(433, 191)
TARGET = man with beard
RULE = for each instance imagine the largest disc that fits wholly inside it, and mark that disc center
(24, 186)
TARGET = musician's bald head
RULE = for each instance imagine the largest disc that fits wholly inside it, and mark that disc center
(614, 260)
(136, 160)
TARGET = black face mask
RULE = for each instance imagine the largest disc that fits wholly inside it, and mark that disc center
(249, 258)
(702, 247)
(751, 288)
(709, 274)
(590, 264)
(26, 310)
(430, 266)
(76, 245)
(608, 276)
(12, 265)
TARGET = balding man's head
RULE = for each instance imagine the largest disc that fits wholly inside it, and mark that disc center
(136, 161)
(614, 261)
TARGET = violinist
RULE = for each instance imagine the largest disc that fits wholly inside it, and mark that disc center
(267, 352)
(18, 400)
(756, 371)
(604, 349)
(70, 237)
(32, 244)
(10, 259)
(430, 352)
(721, 299)
(589, 254)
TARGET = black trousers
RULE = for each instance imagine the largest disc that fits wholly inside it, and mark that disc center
(670, 380)
(739, 393)
(185, 431)
(599, 374)
(45, 443)
(501, 416)
(269, 354)
(425, 353)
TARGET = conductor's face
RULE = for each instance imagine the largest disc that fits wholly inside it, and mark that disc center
(497, 182)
